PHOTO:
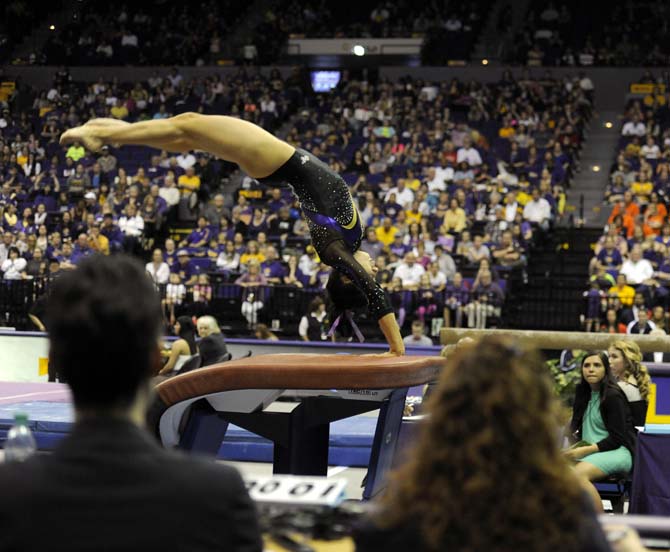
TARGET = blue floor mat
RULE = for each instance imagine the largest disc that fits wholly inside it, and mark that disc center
(350, 439)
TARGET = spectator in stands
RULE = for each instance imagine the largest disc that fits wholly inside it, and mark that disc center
(387, 231)
(594, 305)
(468, 154)
(537, 211)
(81, 249)
(632, 376)
(216, 210)
(477, 251)
(600, 417)
(636, 269)
(158, 269)
(427, 300)
(189, 184)
(212, 344)
(371, 244)
(423, 508)
(309, 262)
(132, 226)
(200, 236)
(312, 326)
(409, 272)
(438, 279)
(612, 325)
(175, 292)
(14, 266)
(418, 338)
(272, 268)
(445, 262)
(634, 127)
(659, 318)
(403, 195)
(108, 310)
(608, 258)
(642, 325)
(228, 260)
(182, 349)
(294, 276)
(37, 265)
(454, 219)
(6, 245)
(487, 301)
(251, 281)
(252, 254)
(185, 269)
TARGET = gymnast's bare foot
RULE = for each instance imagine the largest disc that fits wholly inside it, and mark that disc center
(89, 134)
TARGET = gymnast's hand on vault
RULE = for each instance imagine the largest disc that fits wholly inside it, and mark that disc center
(387, 354)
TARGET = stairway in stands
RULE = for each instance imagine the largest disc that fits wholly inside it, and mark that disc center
(557, 278)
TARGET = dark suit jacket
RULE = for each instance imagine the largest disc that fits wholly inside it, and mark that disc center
(212, 348)
(109, 486)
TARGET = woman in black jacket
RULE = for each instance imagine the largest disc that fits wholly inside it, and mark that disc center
(601, 418)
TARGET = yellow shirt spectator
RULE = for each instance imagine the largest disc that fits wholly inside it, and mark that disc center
(189, 182)
(412, 216)
(642, 190)
(632, 150)
(119, 111)
(506, 132)
(386, 235)
(413, 183)
(99, 243)
(75, 152)
(454, 220)
(625, 293)
(247, 257)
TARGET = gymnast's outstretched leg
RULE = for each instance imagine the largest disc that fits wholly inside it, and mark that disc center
(256, 151)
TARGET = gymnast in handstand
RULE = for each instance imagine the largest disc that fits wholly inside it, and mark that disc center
(333, 219)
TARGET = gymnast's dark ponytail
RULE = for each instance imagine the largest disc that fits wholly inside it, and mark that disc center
(344, 298)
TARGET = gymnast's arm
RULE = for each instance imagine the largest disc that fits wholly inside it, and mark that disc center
(338, 256)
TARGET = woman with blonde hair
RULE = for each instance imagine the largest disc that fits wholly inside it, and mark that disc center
(487, 472)
(632, 376)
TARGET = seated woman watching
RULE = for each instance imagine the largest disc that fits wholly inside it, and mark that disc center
(183, 348)
(632, 376)
(601, 422)
(487, 472)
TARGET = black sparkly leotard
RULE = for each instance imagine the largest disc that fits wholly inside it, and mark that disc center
(334, 223)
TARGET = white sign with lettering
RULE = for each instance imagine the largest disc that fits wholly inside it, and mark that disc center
(296, 489)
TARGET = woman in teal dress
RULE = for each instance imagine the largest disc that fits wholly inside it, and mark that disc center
(601, 417)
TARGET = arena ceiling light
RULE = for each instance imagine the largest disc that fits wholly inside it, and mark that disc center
(608, 124)
(52, 27)
(595, 168)
(358, 50)
(485, 61)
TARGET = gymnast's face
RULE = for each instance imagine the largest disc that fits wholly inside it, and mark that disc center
(365, 261)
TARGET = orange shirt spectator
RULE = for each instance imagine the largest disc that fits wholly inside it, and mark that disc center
(625, 207)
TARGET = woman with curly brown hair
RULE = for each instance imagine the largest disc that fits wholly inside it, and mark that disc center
(632, 376)
(487, 472)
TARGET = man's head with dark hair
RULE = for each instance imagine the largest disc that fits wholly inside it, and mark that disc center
(105, 322)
